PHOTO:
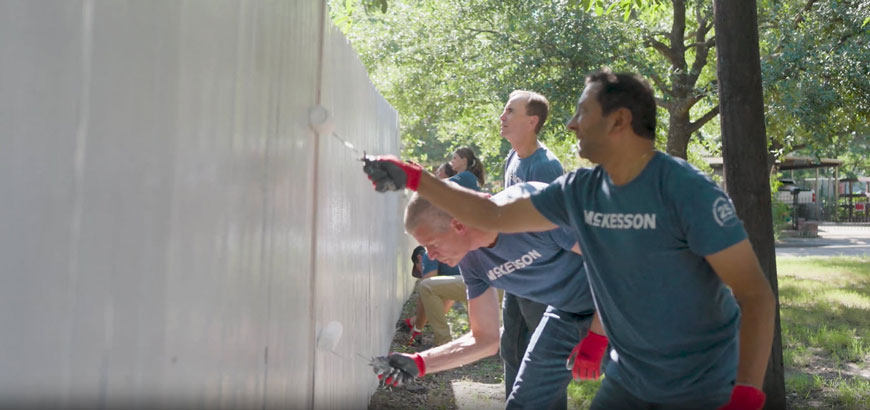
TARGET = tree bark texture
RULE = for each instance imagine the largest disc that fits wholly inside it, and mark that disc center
(744, 149)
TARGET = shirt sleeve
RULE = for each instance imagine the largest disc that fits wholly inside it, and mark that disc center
(707, 215)
(565, 238)
(550, 201)
(474, 286)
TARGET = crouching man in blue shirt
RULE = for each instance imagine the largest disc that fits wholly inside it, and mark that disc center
(545, 267)
(666, 254)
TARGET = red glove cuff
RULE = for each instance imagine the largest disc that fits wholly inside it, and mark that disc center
(594, 344)
(745, 397)
(414, 172)
(421, 364)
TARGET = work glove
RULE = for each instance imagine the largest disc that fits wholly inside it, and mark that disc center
(397, 369)
(745, 397)
(388, 173)
(585, 358)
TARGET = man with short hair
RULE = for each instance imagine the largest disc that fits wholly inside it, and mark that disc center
(545, 267)
(529, 160)
(437, 290)
(666, 255)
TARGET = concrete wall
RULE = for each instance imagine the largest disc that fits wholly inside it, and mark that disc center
(172, 231)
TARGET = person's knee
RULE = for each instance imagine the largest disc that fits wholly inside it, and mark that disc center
(425, 288)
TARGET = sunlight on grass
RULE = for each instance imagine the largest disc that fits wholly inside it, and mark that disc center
(852, 394)
(825, 311)
(849, 298)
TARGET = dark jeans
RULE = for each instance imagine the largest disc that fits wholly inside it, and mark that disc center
(542, 380)
(520, 317)
(612, 396)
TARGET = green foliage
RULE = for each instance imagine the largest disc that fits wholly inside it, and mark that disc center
(816, 78)
(448, 67)
(581, 393)
(781, 211)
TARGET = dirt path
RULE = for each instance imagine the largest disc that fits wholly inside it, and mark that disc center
(475, 386)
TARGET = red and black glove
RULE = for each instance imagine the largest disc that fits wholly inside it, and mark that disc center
(397, 369)
(745, 397)
(389, 173)
(586, 357)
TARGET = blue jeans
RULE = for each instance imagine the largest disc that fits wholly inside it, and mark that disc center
(543, 379)
(520, 317)
(612, 396)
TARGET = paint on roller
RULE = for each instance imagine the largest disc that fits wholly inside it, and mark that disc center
(321, 122)
(329, 336)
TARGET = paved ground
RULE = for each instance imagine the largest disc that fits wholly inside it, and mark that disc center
(833, 240)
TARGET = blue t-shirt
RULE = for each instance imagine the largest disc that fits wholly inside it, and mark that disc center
(541, 166)
(466, 179)
(537, 265)
(670, 319)
(443, 269)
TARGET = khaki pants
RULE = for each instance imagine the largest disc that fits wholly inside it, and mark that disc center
(433, 292)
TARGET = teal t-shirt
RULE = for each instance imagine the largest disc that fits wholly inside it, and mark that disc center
(466, 179)
(671, 321)
(541, 166)
(536, 265)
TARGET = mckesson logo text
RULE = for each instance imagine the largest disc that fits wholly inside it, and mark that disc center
(511, 266)
(620, 221)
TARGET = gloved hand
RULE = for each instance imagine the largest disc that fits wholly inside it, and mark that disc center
(586, 357)
(388, 173)
(397, 369)
(745, 397)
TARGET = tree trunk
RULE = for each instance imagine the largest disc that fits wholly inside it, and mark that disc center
(744, 148)
(678, 134)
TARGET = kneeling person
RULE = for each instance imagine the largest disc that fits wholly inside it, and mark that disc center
(545, 267)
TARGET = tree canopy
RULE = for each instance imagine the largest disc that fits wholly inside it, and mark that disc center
(448, 66)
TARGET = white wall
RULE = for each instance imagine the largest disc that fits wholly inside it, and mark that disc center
(172, 232)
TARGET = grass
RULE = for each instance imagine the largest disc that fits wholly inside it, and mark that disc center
(825, 312)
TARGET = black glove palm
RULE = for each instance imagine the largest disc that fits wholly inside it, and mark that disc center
(395, 369)
(385, 175)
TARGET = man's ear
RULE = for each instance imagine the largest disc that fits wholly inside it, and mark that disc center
(621, 120)
(457, 226)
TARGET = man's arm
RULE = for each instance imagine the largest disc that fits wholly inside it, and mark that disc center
(481, 213)
(738, 267)
(595, 326)
(481, 342)
(431, 273)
